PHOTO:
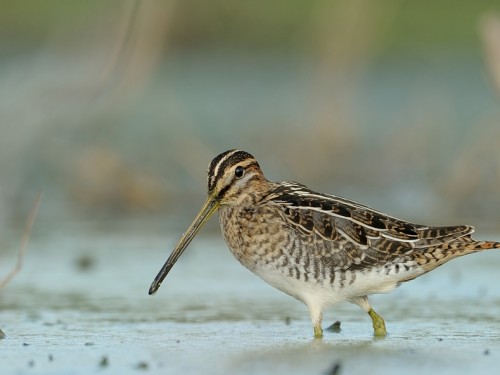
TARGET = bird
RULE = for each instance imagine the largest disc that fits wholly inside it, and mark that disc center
(318, 248)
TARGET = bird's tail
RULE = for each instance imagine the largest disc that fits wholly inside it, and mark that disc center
(475, 246)
(454, 249)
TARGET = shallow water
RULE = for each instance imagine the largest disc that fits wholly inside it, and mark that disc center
(80, 306)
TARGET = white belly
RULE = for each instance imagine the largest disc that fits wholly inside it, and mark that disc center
(323, 293)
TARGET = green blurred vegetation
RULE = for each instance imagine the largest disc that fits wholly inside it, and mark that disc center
(406, 27)
(115, 108)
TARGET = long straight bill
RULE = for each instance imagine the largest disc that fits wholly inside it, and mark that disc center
(207, 210)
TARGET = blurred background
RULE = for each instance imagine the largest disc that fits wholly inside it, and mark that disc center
(115, 108)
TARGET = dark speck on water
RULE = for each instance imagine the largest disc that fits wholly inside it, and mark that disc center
(51, 357)
(31, 363)
(142, 366)
(335, 327)
(84, 263)
(486, 352)
(89, 344)
(25, 344)
(335, 370)
(104, 362)
(288, 320)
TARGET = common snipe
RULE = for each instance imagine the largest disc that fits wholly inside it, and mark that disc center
(320, 249)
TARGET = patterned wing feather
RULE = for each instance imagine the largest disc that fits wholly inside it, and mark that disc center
(356, 235)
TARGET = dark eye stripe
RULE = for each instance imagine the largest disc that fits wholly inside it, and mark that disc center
(226, 188)
(223, 191)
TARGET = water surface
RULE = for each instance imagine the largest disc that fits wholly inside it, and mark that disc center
(80, 306)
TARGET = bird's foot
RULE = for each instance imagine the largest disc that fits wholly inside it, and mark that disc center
(318, 332)
(378, 324)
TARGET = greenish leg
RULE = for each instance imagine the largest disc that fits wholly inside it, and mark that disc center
(378, 323)
(316, 314)
(318, 332)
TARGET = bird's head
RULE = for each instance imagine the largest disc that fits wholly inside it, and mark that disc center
(233, 177)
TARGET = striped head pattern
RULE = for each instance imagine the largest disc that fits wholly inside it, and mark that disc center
(232, 172)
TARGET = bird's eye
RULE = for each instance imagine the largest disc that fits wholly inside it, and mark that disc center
(239, 172)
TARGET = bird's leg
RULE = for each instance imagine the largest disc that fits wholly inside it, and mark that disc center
(377, 320)
(316, 315)
(378, 324)
(318, 332)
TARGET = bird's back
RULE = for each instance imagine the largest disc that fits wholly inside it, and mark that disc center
(349, 237)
